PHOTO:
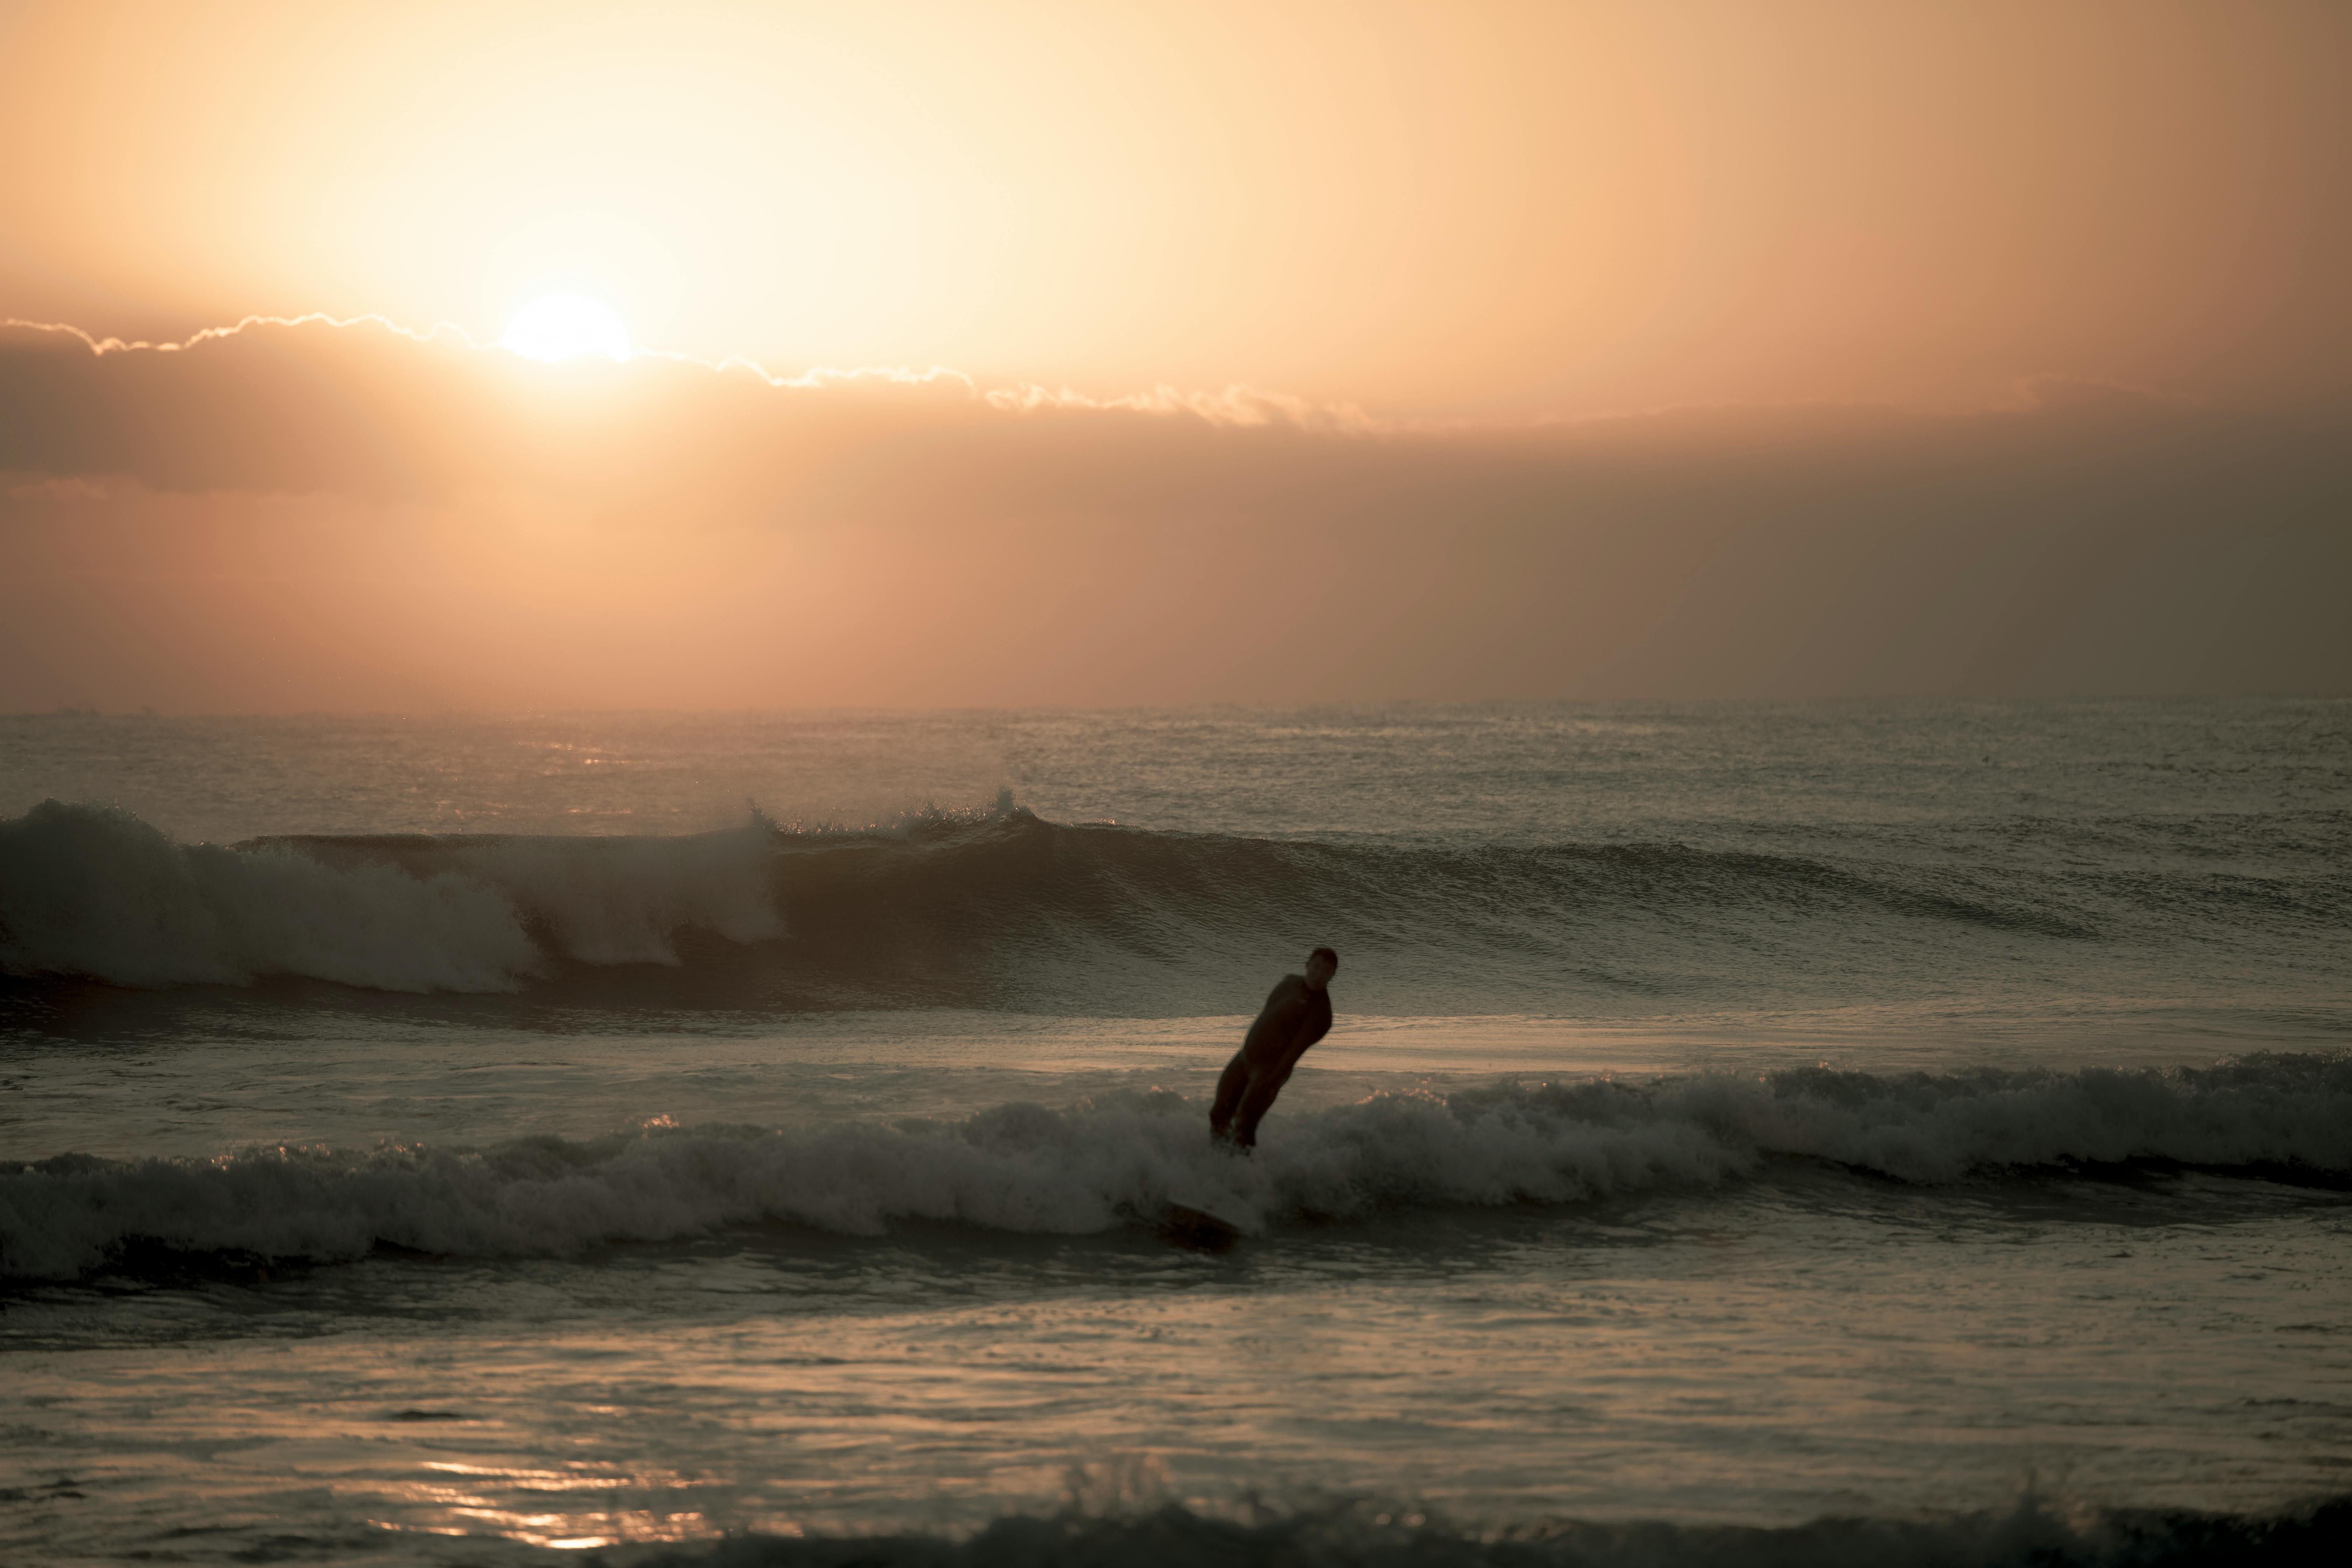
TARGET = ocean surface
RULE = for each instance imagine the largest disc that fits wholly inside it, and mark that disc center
(1858, 1132)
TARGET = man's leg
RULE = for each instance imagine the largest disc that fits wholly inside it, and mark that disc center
(1256, 1101)
(1230, 1088)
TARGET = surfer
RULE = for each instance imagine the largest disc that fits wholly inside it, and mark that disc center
(1297, 1012)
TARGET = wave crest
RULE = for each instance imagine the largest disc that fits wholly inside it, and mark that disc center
(970, 908)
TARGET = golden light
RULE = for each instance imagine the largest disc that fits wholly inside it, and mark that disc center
(565, 326)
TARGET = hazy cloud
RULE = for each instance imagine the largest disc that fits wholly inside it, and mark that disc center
(942, 542)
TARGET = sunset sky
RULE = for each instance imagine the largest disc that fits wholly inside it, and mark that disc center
(1100, 354)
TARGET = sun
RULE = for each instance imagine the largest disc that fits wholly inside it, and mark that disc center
(565, 326)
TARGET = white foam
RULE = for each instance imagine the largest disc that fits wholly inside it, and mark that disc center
(1026, 1168)
(92, 891)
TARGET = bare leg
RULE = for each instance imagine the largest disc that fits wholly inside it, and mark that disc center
(1230, 1088)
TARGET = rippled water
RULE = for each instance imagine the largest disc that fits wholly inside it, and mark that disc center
(1930, 1115)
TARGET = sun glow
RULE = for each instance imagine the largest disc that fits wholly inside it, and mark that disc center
(565, 326)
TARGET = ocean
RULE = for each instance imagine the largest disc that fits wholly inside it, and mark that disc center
(1903, 1131)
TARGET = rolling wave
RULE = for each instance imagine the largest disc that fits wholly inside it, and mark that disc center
(1000, 909)
(1099, 1165)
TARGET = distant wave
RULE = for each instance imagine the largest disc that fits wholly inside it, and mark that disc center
(998, 908)
(1028, 1168)
(2034, 1535)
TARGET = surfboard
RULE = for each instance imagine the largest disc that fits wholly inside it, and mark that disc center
(1198, 1229)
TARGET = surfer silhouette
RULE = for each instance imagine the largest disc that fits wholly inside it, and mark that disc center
(1297, 1012)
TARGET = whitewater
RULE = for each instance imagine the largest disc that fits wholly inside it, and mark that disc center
(1849, 1132)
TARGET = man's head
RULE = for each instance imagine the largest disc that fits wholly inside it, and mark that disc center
(1321, 965)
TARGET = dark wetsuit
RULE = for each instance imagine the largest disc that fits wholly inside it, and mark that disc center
(1295, 1018)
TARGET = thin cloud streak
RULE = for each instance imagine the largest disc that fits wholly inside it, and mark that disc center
(100, 347)
(1236, 404)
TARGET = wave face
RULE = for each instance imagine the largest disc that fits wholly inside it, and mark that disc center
(1026, 1168)
(999, 909)
(92, 891)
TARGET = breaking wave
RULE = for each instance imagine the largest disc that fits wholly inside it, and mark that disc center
(997, 907)
(93, 891)
(1100, 1165)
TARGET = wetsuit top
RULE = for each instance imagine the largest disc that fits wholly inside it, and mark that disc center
(1278, 1031)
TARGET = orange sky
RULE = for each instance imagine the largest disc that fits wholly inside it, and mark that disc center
(1416, 236)
(1554, 206)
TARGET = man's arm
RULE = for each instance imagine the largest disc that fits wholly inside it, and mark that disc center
(1303, 1035)
(1268, 1041)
